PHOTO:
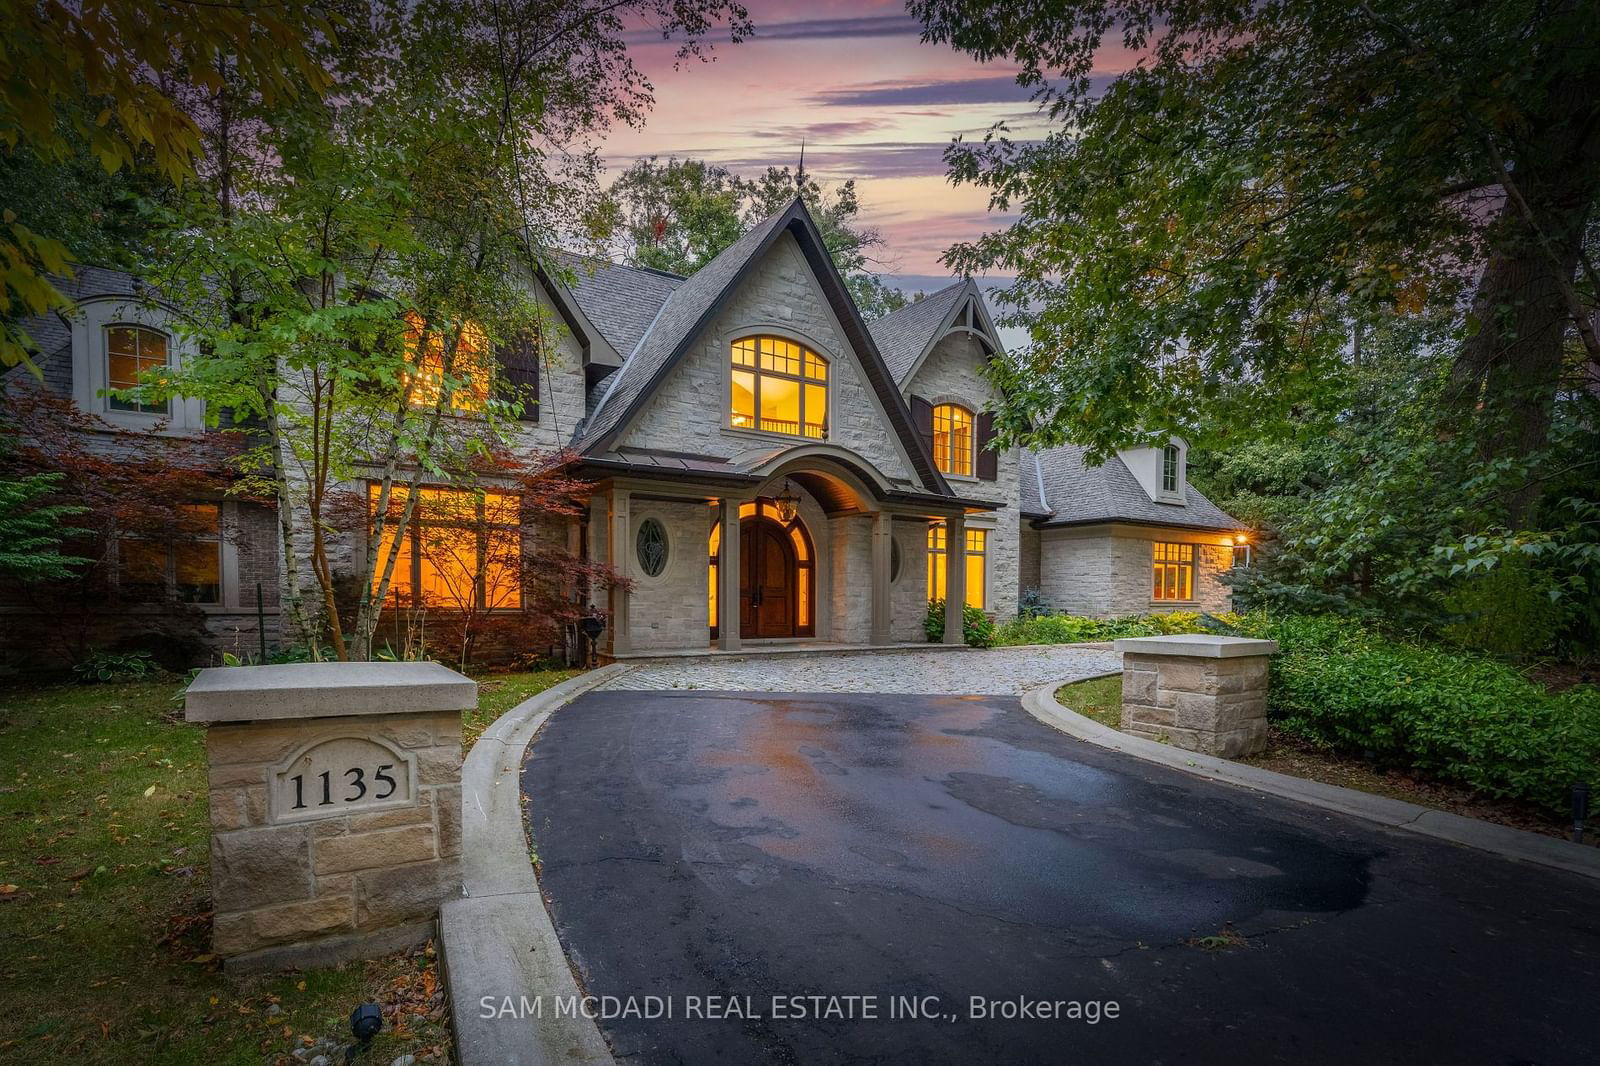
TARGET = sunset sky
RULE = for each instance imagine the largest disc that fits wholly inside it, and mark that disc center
(872, 102)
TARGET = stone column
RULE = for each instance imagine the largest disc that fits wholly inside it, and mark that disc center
(728, 575)
(619, 542)
(955, 577)
(1200, 693)
(882, 561)
(335, 797)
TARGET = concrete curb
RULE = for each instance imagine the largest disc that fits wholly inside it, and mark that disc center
(1498, 840)
(498, 943)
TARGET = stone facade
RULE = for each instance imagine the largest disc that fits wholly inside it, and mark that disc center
(909, 590)
(670, 609)
(953, 373)
(851, 565)
(1195, 700)
(688, 412)
(1028, 569)
(1103, 570)
(287, 875)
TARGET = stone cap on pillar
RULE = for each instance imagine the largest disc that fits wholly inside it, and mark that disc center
(325, 690)
(1198, 645)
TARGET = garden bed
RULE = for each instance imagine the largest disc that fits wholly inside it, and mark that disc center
(104, 898)
(1101, 700)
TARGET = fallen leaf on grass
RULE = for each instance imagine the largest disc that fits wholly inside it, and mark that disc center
(8, 890)
(79, 875)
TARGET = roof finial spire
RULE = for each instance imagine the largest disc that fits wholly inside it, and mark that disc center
(800, 175)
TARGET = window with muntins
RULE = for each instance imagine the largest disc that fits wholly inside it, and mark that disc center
(462, 549)
(1174, 571)
(132, 352)
(470, 370)
(1169, 468)
(188, 571)
(977, 549)
(952, 439)
(778, 386)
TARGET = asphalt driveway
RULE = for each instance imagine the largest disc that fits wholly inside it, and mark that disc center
(718, 850)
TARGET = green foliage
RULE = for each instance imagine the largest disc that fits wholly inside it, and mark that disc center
(680, 214)
(1076, 629)
(103, 667)
(1457, 716)
(32, 531)
(1032, 604)
(976, 628)
(1513, 610)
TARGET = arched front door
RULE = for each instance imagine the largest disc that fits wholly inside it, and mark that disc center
(767, 579)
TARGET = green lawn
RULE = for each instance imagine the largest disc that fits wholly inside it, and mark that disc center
(104, 896)
(1100, 699)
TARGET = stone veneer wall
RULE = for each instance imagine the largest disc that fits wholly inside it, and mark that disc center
(688, 413)
(1028, 550)
(953, 373)
(909, 595)
(292, 881)
(673, 609)
(850, 538)
(1106, 569)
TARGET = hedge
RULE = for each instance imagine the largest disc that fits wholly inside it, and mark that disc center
(1457, 716)
(1075, 629)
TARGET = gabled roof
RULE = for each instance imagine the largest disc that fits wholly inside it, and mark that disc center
(1057, 482)
(904, 335)
(695, 302)
(620, 300)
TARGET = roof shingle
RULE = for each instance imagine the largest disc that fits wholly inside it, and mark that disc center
(1075, 493)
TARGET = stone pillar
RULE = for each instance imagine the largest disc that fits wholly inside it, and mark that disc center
(955, 578)
(728, 575)
(619, 541)
(335, 796)
(1200, 693)
(882, 561)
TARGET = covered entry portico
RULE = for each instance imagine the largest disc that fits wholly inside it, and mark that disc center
(828, 550)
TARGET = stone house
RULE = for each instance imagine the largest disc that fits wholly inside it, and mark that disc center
(853, 459)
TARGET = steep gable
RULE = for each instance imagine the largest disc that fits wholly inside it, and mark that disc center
(687, 313)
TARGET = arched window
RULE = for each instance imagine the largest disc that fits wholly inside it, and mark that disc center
(779, 386)
(131, 352)
(952, 439)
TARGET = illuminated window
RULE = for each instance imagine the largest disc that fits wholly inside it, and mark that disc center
(952, 439)
(470, 370)
(131, 352)
(779, 387)
(977, 547)
(1169, 468)
(1174, 571)
(462, 549)
(188, 570)
(805, 565)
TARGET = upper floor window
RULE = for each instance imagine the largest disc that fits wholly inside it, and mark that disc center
(470, 369)
(131, 352)
(952, 439)
(1169, 468)
(779, 386)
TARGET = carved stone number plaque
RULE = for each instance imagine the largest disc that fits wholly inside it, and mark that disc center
(342, 775)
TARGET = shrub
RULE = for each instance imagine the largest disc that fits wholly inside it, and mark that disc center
(107, 666)
(1513, 610)
(1032, 604)
(976, 628)
(1449, 713)
(1075, 629)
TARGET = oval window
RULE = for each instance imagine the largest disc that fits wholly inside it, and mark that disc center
(652, 547)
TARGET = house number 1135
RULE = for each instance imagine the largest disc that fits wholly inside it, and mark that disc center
(354, 786)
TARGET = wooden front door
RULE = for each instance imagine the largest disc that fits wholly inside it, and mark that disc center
(766, 580)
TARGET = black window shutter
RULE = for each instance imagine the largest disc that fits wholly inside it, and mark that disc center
(922, 422)
(519, 369)
(988, 458)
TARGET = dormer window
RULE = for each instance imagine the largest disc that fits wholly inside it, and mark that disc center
(952, 439)
(1169, 469)
(131, 352)
(778, 386)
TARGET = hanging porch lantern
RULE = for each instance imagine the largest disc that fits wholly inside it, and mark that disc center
(788, 502)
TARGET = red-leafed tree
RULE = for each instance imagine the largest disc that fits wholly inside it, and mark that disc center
(131, 495)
